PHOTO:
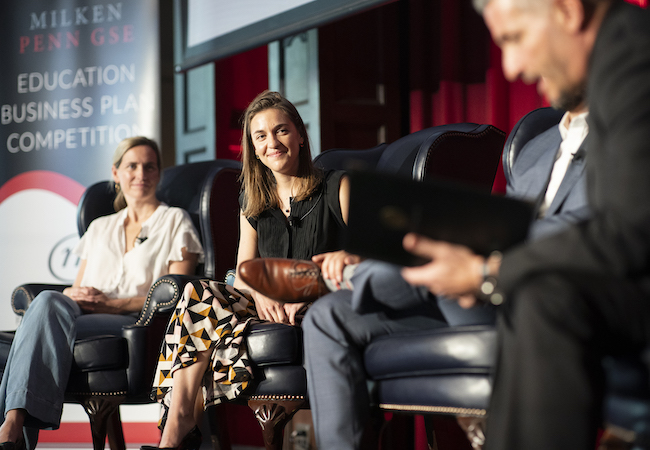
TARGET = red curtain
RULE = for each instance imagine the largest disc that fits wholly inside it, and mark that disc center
(455, 72)
(460, 84)
(238, 79)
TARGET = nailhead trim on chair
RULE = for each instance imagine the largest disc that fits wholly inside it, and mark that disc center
(436, 409)
(277, 397)
(98, 394)
(145, 320)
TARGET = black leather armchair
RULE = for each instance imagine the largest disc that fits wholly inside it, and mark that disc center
(280, 386)
(448, 371)
(112, 370)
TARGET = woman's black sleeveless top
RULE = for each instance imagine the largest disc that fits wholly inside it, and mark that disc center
(315, 225)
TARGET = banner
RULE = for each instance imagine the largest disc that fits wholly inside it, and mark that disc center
(77, 77)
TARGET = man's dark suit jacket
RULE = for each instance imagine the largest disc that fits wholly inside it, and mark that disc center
(616, 240)
(529, 178)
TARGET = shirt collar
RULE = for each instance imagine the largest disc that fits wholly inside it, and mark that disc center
(147, 223)
(577, 125)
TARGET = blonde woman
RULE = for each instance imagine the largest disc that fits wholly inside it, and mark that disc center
(121, 254)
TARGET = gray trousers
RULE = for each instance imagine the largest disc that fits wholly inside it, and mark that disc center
(339, 326)
(40, 359)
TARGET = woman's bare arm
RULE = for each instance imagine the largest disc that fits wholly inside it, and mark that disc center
(267, 309)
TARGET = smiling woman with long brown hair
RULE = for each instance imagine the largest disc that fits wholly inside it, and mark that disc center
(289, 209)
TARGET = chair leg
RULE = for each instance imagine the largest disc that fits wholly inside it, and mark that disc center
(272, 416)
(215, 416)
(395, 432)
(100, 411)
(431, 433)
(115, 432)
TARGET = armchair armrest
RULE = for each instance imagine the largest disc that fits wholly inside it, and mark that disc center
(143, 343)
(163, 296)
(145, 336)
(24, 294)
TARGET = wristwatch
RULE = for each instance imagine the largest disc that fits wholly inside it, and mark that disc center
(489, 291)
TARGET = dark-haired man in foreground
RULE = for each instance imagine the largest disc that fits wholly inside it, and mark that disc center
(576, 296)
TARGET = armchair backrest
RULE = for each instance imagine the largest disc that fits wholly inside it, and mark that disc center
(532, 124)
(207, 190)
(465, 152)
(95, 202)
(346, 159)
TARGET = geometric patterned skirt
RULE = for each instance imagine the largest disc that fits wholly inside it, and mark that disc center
(210, 316)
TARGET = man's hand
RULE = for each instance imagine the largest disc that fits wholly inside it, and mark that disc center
(454, 270)
(332, 264)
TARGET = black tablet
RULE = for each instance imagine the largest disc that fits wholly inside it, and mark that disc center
(384, 207)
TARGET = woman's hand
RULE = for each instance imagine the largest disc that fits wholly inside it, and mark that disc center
(333, 263)
(94, 301)
(291, 309)
(89, 299)
(269, 309)
(85, 294)
(110, 306)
